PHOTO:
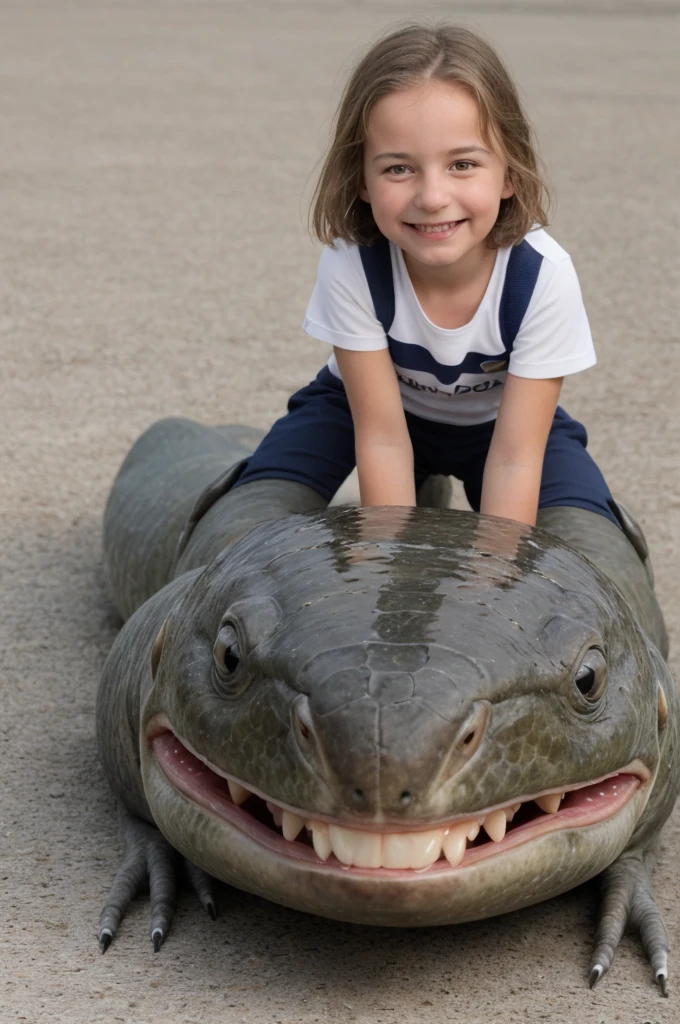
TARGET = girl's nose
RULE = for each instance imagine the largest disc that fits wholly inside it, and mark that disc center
(434, 193)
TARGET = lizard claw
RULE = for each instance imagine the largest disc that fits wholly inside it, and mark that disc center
(596, 972)
(628, 900)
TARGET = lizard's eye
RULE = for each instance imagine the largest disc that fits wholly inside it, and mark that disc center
(227, 651)
(591, 675)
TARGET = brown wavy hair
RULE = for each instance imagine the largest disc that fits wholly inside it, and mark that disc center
(447, 53)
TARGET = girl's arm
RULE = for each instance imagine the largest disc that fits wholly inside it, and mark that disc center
(383, 446)
(512, 475)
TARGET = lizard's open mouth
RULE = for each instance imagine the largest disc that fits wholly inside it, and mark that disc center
(329, 843)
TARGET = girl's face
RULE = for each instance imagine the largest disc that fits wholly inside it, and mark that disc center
(434, 185)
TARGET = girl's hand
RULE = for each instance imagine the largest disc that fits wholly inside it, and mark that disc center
(383, 446)
(514, 465)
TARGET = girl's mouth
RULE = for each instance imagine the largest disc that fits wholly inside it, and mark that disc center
(436, 232)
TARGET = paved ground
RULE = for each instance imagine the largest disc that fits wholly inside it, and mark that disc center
(155, 162)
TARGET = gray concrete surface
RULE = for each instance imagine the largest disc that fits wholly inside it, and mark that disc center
(156, 158)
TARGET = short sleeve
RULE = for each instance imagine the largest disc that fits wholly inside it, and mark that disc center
(554, 339)
(341, 310)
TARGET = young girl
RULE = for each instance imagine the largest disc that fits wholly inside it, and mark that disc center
(453, 316)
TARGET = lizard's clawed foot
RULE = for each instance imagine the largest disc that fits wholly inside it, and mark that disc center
(149, 857)
(627, 899)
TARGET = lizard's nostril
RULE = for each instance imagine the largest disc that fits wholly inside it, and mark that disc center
(472, 731)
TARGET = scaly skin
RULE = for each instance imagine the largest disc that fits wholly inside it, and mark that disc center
(400, 669)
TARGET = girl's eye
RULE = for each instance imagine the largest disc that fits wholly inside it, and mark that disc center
(398, 170)
(464, 165)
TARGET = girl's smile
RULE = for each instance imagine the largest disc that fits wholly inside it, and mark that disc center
(433, 183)
(437, 232)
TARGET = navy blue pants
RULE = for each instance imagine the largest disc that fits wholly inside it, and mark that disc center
(314, 445)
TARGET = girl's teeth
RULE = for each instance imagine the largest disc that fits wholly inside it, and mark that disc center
(432, 228)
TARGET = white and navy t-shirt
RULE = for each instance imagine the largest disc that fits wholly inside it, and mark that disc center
(553, 340)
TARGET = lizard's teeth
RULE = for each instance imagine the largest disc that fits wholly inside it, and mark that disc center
(320, 839)
(473, 830)
(362, 849)
(455, 842)
(292, 825)
(238, 793)
(400, 850)
(276, 813)
(550, 804)
(412, 849)
(495, 825)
